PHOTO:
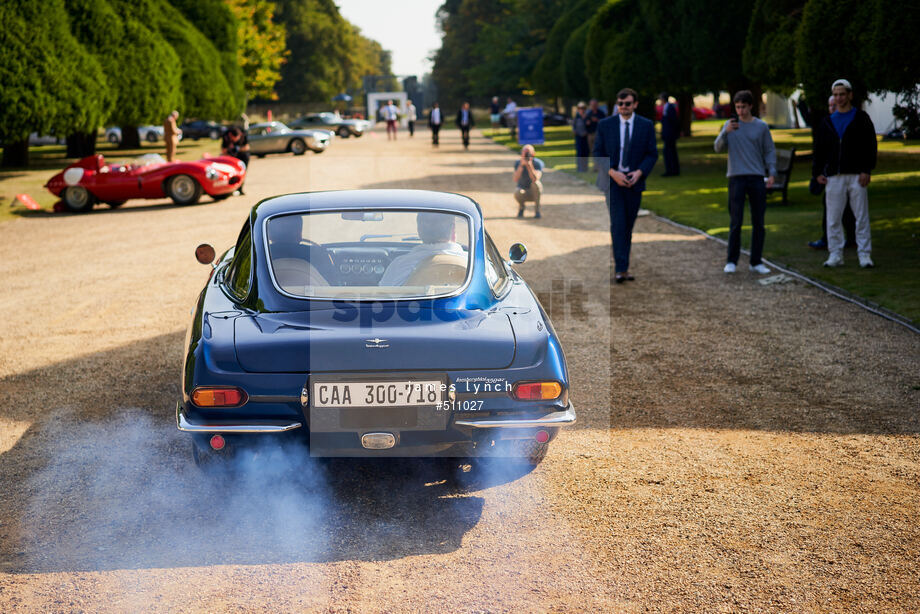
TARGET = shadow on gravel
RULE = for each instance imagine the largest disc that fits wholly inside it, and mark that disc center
(96, 483)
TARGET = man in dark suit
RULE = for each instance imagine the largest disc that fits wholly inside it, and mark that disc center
(670, 132)
(625, 152)
(465, 122)
(435, 120)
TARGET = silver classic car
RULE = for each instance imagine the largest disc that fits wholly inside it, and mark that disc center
(275, 137)
(342, 127)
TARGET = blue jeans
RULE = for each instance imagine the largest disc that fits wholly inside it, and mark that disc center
(623, 205)
(752, 187)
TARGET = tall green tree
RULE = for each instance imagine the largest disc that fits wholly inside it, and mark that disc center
(490, 47)
(548, 72)
(261, 47)
(217, 22)
(141, 96)
(459, 22)
(769, 49)
(574, 78)
(205, 89)
(317, 38)
(699, 47)
(618, 54)
(830, 46)
(51, 83)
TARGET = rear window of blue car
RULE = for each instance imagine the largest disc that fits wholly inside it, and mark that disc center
(369, 254)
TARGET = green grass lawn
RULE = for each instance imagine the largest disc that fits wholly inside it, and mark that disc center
(47, 160)
(699, 198)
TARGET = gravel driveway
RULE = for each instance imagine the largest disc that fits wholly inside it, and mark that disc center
(739, 447)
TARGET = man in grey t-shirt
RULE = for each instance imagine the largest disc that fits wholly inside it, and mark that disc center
(751, 157)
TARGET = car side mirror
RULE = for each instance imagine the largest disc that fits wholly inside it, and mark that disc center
(518, 253)
(204, 254)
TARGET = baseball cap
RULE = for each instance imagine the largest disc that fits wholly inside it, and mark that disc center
(842, 82)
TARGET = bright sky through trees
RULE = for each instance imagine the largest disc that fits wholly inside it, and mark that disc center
(406, 28)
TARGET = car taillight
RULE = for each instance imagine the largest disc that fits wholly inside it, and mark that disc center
(537, 391)
(218, 396)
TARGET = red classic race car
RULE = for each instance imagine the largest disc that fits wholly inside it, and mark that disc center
(92, 180)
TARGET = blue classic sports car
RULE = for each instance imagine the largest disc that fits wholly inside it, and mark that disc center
(372, 323)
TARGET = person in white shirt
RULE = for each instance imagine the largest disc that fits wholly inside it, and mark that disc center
(435, 120)
(391, 115)
(411, 117)
(436, 230)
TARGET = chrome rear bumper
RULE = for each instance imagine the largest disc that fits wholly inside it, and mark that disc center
(230, 426)
(555, 419)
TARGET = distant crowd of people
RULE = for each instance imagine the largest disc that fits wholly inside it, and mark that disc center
(623, 151)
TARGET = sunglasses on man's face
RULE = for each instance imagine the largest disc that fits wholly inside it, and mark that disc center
(624, 103)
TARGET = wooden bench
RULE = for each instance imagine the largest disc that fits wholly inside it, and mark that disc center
(784, 158)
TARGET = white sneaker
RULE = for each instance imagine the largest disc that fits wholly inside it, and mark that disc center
(760, 269)
(865, 261)
(729, 267)
(835, 260)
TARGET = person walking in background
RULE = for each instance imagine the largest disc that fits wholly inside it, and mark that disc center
(670, 132)
(510, 113)
(495, 115)
(751, 155)
(465, 122)
(845, 155)
(528, 171)
(849, 221)
(624, 151)
(434, 122)
(579, 127)
(592, 118)
(171, 134)
(391, 116)
(411, 117)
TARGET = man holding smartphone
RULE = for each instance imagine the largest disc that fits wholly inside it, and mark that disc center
(751, 156)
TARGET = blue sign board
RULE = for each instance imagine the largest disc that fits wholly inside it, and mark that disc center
(530, 126)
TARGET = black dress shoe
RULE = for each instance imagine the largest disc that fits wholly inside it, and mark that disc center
(629, 277)
(619, 278)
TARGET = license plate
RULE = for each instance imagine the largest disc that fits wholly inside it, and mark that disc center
(378, 394)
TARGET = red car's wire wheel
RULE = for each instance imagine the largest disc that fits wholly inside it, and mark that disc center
(183, 190)
(77, 198)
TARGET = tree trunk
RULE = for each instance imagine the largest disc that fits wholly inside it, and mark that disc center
(130, 139)
(16, 153)
(81, 144)
(685, 108)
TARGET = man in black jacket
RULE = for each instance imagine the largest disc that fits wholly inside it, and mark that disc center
(845, 154)
(465, 122)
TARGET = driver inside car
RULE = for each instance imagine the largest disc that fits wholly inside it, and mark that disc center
(436, 230)
(296, 261)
